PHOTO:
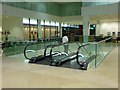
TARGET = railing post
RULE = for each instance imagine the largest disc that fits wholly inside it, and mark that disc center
(96, 55)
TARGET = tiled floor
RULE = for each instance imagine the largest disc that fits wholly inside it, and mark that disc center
(16, 73)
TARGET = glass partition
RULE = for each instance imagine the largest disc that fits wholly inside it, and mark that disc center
(87, 52)
(17, 47)
(95, 52)
(79, 54)
(102, 50)
(73, 47)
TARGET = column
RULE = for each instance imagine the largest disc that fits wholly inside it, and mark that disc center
(98, 28)
(29, 31)
(50, 28)
(39, 29)
(85, 28)
(60, 29)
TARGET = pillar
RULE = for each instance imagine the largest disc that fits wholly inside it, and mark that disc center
(60, 29)
(85, 28)
(98, 28)
(39, 29)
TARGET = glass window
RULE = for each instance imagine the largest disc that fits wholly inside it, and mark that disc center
(62, 24)
(33, 21)
(57, 23)
(65, 25)
(68, 25)
(47, 23)
(52, 23)
(42, 22)
(26, 20)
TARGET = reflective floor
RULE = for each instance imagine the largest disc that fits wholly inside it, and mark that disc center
(17, 73)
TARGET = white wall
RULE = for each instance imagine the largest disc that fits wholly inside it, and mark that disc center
(100, 12)
(14, 26)
(100, 9)
(72, 19)
(108, 27)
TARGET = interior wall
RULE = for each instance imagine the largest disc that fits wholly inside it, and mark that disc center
(84, 4)
(45, 7)
(14, 11)
(58, 9)
(100, 10)
(71, 9)
(111, 26)
(14, 26)
(72, 19)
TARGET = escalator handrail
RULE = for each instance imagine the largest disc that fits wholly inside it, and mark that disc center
(77, 57)
(78, 50)
(31, 44)
(52, 49)
(63, 44)
(47, 48)
(25, 51)
(103, 40)
(85, 49)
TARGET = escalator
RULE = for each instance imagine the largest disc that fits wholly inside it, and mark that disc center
(38, 56)
(74, 59)
(54, 55)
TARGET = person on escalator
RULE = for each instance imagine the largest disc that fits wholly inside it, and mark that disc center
(65, 42)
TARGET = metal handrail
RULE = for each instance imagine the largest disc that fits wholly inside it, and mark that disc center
(53, 47)
(32, 51)
(29, 50)
(104, 40)
(47, 48)
(77, 56)
(89, 44)
(85, 49)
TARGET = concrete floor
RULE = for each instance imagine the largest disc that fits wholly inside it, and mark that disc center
(16, 73)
